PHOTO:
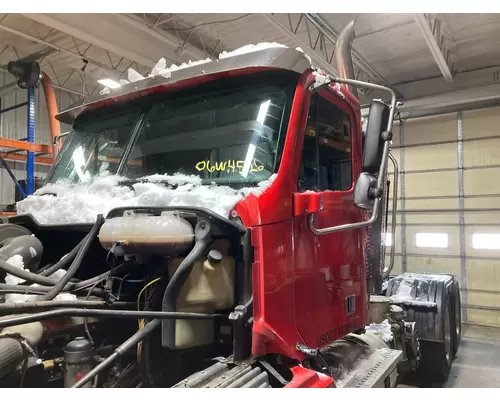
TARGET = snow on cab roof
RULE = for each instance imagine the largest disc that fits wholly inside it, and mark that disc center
(272, 55)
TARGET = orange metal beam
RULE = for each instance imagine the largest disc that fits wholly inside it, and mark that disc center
(22, 157)
(22, 145)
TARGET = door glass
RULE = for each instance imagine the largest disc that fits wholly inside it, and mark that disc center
(326, 162)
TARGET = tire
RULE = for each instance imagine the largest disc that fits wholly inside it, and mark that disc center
(457, 316)
(435, 326)
(437, 357)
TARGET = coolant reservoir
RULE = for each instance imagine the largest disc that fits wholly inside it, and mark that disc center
(166, 234)
(209, 287)
(190, 333)
(211, 281)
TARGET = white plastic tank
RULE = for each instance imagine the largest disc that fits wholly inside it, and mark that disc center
(166, 234)
(209, 287)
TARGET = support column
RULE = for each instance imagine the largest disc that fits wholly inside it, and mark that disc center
(30, 158)
(461, 217)
(402, 205)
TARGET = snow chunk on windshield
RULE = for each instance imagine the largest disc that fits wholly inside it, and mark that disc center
(249, 48)
(68, 203)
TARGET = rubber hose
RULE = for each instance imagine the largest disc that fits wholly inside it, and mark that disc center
(11, 354)
(203, 237)
(41, 305)
(49, 270)
(26, 275)
(47, 283)
(18, 289)
(77, 261)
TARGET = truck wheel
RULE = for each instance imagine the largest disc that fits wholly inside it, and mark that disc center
(436, 357)
(435, 325)
(457, 316)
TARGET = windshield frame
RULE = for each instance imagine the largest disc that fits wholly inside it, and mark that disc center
(287, 80)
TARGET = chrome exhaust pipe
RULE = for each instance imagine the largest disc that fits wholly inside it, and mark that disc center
(343, 58)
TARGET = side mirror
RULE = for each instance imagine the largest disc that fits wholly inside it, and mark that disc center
(363, 196)
(373, 142)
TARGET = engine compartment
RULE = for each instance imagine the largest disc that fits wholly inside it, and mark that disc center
(183, 270)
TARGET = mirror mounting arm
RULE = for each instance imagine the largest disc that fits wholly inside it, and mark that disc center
(326, 80)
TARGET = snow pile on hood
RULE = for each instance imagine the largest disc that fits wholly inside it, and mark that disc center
(383, 330)
(68, 203)
(411, 292)
(17, 261)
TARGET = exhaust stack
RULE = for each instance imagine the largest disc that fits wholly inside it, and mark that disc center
(343, 58)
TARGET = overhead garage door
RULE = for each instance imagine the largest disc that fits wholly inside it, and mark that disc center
(448, 208)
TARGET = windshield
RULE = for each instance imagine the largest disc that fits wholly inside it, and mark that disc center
(229, 132)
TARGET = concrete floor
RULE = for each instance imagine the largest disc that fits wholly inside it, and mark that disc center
(478, 361)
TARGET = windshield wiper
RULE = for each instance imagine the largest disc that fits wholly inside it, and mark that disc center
(131, 182)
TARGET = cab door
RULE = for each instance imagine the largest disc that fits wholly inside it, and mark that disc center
(329, 272)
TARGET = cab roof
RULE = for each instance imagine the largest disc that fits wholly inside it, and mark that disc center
(283, 58)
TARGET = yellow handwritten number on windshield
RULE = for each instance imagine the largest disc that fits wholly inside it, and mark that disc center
(227, 166)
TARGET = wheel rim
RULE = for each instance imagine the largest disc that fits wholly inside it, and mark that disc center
(447, 333)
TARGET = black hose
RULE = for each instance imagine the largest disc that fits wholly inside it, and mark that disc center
(50, 269)
(120, 268)
(19, 289)
(129, 343)
(203, 237)
(77, 261)
(26, 275)
(85, 312)
(69, 287)
(39, 305)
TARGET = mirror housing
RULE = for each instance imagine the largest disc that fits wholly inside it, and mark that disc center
(58, 143)
(363, 191)
(373, 142)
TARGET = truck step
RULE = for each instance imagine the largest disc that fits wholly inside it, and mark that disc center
(373, 371)
(223, 375)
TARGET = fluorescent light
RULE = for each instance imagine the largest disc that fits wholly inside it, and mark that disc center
(432, 240)
(263, 111)
(109, 83)
(248, 160)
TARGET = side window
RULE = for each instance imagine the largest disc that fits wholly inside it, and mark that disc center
(326, 162)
